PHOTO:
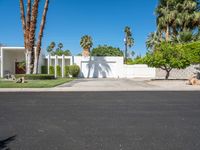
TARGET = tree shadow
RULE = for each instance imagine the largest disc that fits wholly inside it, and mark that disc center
(5, 142)
(99, 66)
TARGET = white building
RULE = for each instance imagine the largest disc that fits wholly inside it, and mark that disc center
(92, 67)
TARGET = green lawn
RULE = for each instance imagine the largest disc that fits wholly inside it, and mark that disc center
(34, 83)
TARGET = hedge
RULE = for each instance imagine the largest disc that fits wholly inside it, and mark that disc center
(44, 69)
(51, 70)
(58, 71)
(74, 70)
(66, 73)
(36, 76)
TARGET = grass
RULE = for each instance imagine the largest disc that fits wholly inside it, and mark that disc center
(34, 83)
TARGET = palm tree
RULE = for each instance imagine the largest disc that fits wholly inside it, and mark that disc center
(39, 43)
(153, 40)
(175, 16)
(166, 13)
(60, 46)
(129, 41)
(86, 43)
(52, 45)
(29, 23)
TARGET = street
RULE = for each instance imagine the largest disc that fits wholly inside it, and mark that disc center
(100, 121)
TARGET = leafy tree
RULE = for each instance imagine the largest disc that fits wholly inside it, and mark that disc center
(129, 41)
(137, 60)
(167, 57)
(106, 51)
(193, 51)
(86, 43)
(62, 52)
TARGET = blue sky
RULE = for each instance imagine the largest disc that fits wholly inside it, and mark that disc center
(68, 20)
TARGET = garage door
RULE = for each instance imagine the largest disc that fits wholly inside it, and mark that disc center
(98, 69)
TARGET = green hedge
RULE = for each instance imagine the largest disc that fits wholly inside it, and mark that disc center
(66, 73)
(58, 71)
(74, 70)
(36, 76)
(51, 70)
(44, 69)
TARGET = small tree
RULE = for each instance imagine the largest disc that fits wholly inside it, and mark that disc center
(106, 51)
(167, 57)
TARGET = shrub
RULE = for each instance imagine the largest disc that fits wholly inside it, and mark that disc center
(74, 70)
(51, 70)
(58, 71)
(66, 71)
(44, 69)
(137, 60)
(36, 76)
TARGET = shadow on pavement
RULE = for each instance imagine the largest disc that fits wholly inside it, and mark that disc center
(4, 143)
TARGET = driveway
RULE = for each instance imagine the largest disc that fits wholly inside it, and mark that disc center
(136, 84)
(100, 121)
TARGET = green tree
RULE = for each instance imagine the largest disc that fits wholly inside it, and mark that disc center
(86, 43)
(167, 57)
(62, 52)
(193, 51)
(106, 51)
(129, 41)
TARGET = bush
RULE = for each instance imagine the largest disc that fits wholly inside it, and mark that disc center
(138, 60)
(58, 71)
(74, 70)
(51, 70)
(44, 69)
(66, 71)
(36, 76)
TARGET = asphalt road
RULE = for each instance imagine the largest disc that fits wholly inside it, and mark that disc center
(100, 121)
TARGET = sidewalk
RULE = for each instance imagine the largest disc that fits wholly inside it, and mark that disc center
(113, 85)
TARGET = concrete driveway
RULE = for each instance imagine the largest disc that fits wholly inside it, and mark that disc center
(139, 84)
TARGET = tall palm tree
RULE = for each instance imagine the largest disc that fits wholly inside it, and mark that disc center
(166, 13)
(86, 43)
(29, 23)
(129, 41)
(39, 43)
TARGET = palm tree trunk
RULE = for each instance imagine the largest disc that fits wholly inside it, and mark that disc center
(167, 33)
(21, 2)
(32, 31)
(86, 52)
(38, 48)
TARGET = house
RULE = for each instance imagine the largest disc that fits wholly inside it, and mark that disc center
(92, 67)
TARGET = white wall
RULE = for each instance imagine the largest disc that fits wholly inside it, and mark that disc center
(111, 67)
(139, 71)
(99, 67)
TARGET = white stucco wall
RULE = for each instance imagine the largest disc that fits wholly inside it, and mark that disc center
(139, 71)
(111, 67)
(99, 67)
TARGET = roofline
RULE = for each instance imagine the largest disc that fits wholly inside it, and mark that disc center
(12, 47)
